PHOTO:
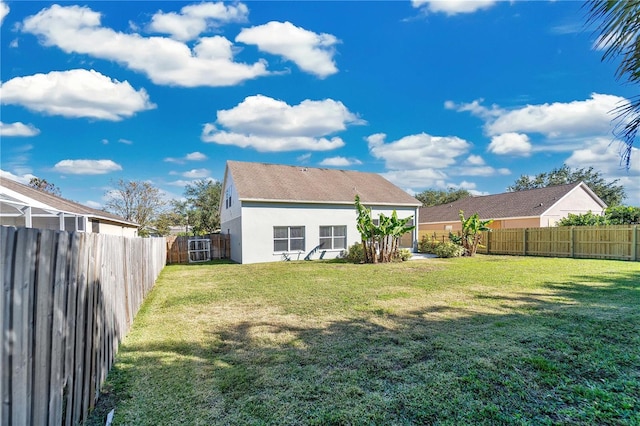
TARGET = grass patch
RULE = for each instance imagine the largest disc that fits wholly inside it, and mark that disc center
(485, 340)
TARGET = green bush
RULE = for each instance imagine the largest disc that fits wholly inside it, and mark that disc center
(354, 254)
(448, 249)
(428, 245)
(404, 254)
(583, 219)
(622, 215)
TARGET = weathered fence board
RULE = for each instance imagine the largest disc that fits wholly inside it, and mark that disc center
(178, 247)
(67, 300)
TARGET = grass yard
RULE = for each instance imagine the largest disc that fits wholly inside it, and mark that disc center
(485, 340)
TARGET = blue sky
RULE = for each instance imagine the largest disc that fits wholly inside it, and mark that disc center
(465, 94)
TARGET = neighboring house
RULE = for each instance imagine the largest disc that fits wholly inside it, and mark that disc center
(534, 208)
(24, 206)
(273, 212)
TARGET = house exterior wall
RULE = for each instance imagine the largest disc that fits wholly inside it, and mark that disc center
(527, 222)
(256, 235)
(233, 227)
(230, 205)
(577, 201)
(113, 229)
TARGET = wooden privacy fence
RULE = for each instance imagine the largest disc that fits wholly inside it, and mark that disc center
(67, 301)
(178, 247)
(620, 242)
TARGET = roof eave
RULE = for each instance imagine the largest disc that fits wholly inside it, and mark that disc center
(346, 203)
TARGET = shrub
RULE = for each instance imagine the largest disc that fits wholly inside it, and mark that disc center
(354, 254)
(448, 249)
(404, 254)
(622, 215)
(427, 245)
(583, 219)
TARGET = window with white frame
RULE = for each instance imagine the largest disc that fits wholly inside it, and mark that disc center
(288, 238)
(333, 237)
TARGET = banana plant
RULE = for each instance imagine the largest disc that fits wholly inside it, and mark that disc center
(380, 243)
(367, 230)
(471, 229)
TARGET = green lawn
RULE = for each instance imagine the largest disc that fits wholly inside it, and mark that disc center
(485, 340)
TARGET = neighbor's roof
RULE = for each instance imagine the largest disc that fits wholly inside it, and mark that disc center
(273, 182)
(528, 203)
(27, 195)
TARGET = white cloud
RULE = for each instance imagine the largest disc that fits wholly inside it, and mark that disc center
(475, 160)
(4, 11)
(182, 183)
(268, 124)
(196, 173)
(604, 156)
(516, 144)
(417, 151)
(86, 167)
(195, 156)
(340, 162)
(18, 129)
(421, 178)
(304, 157)
(312, 52)
(560, 126)
(76, 29)
(22, 178)
(476, 108)
(560, 120)
(270, 143)
(76, 93)
(197, 18)
(484, 171)
(125, 141)
(453, 7)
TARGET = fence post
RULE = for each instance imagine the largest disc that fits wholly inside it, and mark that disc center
(488, 242)
(634, 243)
(572, 242)
(524, 241)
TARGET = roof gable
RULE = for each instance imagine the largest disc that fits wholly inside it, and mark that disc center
(59, 203)
(528, 203)
(280, 183)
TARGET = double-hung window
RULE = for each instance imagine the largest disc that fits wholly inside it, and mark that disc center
(333, 237)
(288, 238)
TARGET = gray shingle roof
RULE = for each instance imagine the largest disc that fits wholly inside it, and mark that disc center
(273, 182)
(529, 203)
(60, 203)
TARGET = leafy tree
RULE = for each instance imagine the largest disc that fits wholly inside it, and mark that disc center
(203, 199)
(436, 197)
(617, 215)
(165, 220)
(609, 192)
(380, 242)
(622, 215)
(582, 219)
(44, 185)
(471, 229)
(619, 25)
(135, 201)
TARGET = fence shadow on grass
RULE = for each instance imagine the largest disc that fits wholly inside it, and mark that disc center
(531, 357)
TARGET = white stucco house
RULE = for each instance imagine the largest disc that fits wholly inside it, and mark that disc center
(273, 212)
(24, 206)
